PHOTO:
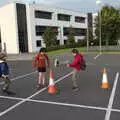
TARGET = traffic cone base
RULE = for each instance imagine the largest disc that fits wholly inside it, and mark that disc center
(105, 85)
(52, 89)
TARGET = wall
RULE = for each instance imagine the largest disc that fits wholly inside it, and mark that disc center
(9, 34)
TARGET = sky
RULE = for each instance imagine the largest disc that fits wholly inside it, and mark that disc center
(83, 6)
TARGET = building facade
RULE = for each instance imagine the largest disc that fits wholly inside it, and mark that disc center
(23, 24)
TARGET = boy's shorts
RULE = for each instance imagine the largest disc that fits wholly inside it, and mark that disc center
(41, 69)
(4, 69)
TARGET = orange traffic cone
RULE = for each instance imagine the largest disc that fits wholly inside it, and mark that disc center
(51, 88)
(105, 83)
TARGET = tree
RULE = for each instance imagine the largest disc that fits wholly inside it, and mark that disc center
(71, 39)
(110, 22)
(49, 37)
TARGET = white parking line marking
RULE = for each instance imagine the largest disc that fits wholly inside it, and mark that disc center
(29, 99)
(19, 77)
(67, 104)
(108, 112)
(89, 63)
(26, 99)
(62, 104)
(97, 56)
(11, 98)
(22, 76)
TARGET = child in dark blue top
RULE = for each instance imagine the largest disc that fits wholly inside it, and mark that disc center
(4, 72)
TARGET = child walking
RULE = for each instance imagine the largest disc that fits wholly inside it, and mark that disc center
(40, 63)
(76, 67)
(4, 72)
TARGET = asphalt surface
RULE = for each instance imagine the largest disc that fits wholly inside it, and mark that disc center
(90, 102)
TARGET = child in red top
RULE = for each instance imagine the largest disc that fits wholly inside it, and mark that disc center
(76, 67)
(40, 63)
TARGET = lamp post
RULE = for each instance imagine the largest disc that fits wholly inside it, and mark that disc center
(98, 2)
(87, 34)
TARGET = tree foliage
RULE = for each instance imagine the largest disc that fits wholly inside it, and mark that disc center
(49, 37)
(110, 25)
(71, 39)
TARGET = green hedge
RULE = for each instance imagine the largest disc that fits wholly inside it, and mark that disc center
(81, 43)
(55, 48)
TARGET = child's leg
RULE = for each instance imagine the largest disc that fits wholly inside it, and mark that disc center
(40, 78)
(43, 78)
(7, 83)
(74, 78)
(5, 75)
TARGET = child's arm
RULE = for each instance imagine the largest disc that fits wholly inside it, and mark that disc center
(35, 61)
(48, 61)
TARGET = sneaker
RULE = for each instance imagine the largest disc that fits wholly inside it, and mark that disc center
(45, 85)
(75, 88)
(4, 89)
(39, 86)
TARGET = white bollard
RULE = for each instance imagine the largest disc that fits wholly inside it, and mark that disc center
(56, 63)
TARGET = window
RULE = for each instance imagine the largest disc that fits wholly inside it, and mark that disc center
(77, 31)
(80, 31)
(66, 31)
(41, 29)
(58, 42)
(43, 14)
(65, 42)
(63, 17)
(79, 19)
(38, 43)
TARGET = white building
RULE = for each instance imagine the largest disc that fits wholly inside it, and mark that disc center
(22, 25)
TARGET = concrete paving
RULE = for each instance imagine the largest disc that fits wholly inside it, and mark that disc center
(90, 102)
